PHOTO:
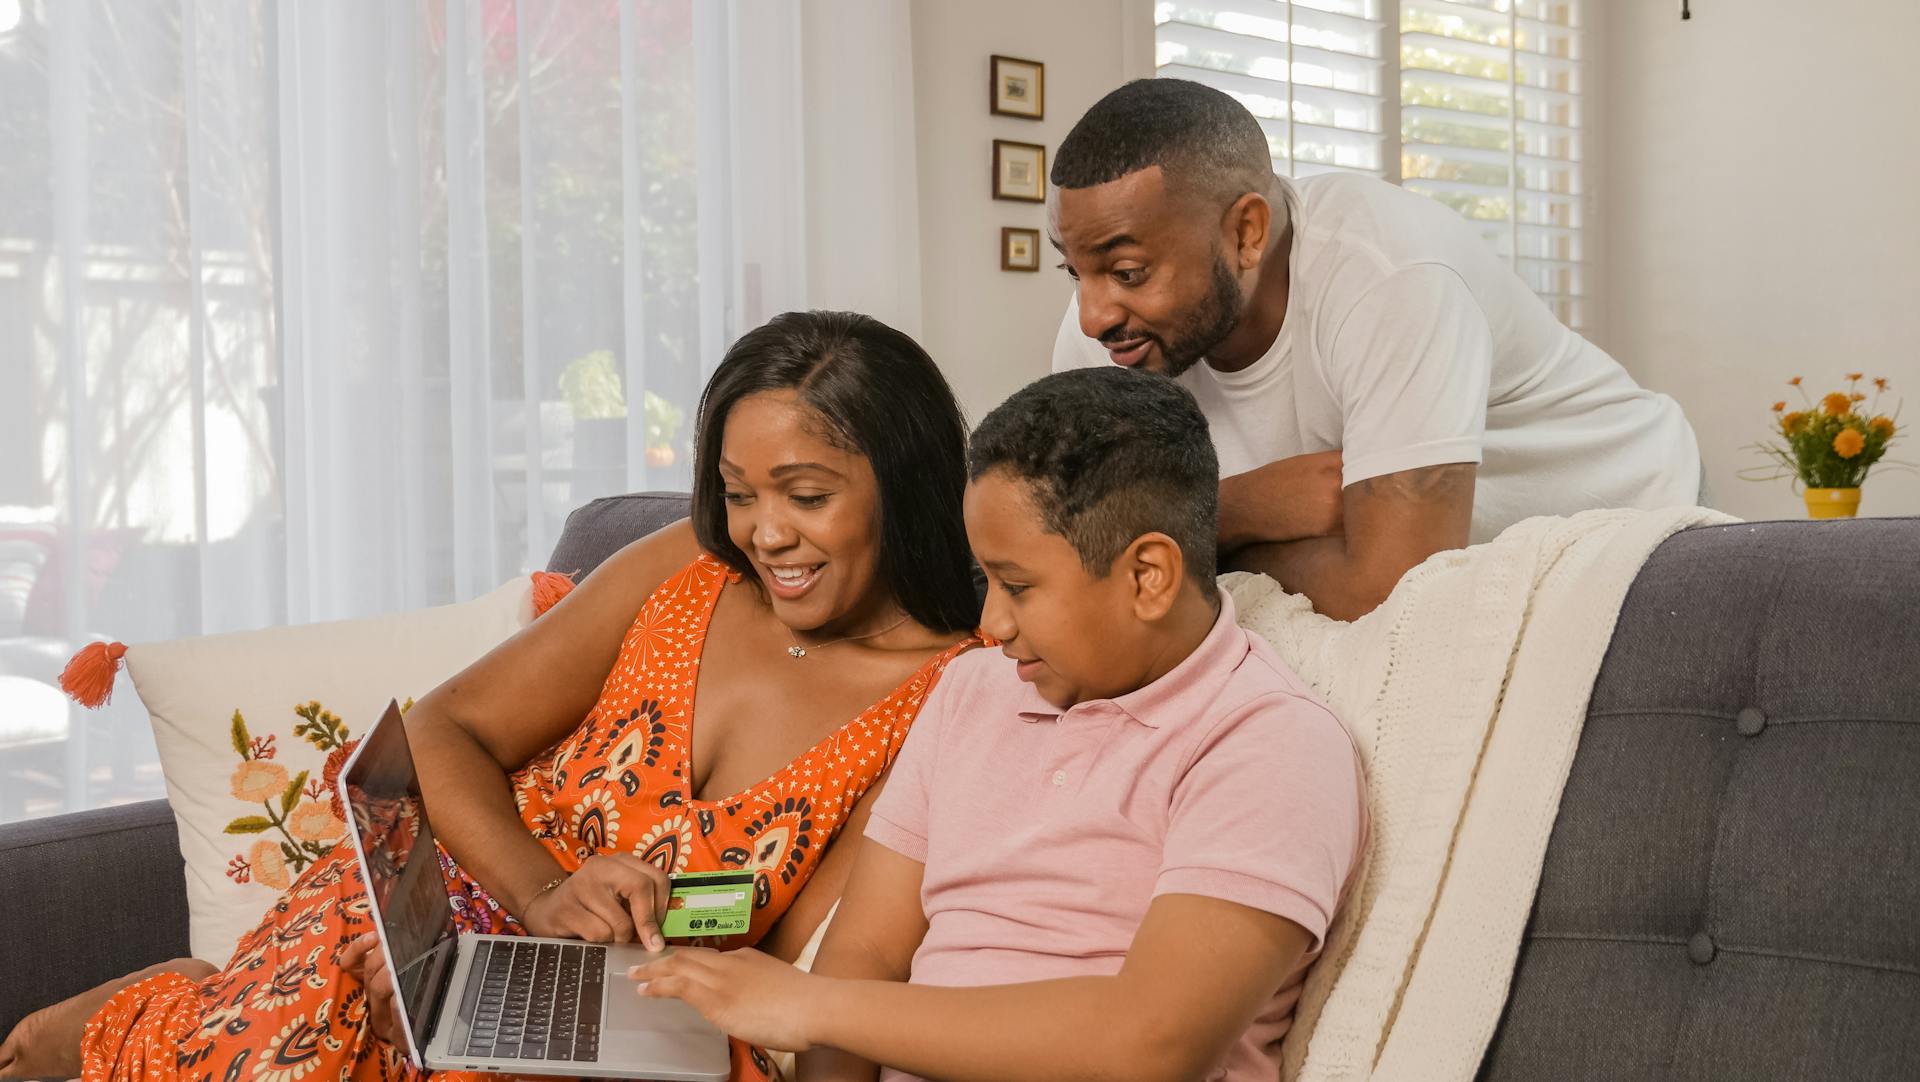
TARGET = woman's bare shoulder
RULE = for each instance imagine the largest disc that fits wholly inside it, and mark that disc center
(640, 566)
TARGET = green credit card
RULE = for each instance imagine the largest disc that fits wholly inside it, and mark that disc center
(708, 903)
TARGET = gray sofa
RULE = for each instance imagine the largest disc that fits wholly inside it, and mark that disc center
(1732, 890)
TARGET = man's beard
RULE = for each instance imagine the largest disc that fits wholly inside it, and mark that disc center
(1209, 325)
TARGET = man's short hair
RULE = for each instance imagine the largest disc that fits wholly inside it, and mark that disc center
(1204, 141)
(1109, 455)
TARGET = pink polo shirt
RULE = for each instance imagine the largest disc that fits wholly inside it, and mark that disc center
(1047, 833)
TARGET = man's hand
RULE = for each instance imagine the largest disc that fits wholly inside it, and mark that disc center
(613, 898)
(752, 996)
(1287, 500)
(368, 963)
(1392, 523)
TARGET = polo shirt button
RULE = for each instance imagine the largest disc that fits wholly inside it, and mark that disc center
(1701, 948)
(1059, 777)
(1750, 720)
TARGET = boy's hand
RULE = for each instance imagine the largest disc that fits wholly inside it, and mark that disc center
(749, 995)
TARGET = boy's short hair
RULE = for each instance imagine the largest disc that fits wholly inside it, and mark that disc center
(1110, 455)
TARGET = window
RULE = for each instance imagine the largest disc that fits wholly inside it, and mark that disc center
(310, 311)
(1311, 70)
(1488, 113)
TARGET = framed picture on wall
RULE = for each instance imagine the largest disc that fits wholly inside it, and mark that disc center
(1019, 171)
(1019, 249)
(1019, 88)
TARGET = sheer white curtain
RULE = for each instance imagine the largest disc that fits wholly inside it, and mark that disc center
(313, 311)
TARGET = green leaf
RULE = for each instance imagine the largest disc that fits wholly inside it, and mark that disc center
(292, 796)
(249, 824)
(241, 741)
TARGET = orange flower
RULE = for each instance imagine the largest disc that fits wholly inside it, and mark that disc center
(1778, 406)
(1849, 443)
(1855, 376)
(1881, 427)
(1791, 422)
(256, 780)
(1856, 397)
(314, 821)
(1794, 382)
(269, 866)
(1879, 383)
(1836, 403)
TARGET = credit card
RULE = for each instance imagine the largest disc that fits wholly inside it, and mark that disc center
(708, 903)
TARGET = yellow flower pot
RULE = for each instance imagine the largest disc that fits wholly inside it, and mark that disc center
(1832, 502)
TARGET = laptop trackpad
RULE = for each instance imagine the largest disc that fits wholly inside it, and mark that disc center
(629, 1014)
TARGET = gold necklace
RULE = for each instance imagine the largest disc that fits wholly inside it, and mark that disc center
(798, 651)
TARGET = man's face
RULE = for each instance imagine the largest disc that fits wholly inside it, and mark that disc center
(1156, 285)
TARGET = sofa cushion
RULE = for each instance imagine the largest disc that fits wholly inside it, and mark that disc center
(92, 895)
(597, 530)
(1730, 887)
(245, 724)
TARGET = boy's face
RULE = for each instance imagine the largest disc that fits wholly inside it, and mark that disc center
(1076, 637)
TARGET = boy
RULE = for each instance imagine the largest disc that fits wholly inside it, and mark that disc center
(1111, 850)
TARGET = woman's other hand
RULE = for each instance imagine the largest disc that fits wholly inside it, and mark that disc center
(613, 898)
(368, 963)
(749, 995)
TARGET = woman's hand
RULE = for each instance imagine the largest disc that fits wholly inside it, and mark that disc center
(752, 996)
(613, 898)
(368, 963)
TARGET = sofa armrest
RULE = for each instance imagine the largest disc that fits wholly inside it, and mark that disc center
(89, 896)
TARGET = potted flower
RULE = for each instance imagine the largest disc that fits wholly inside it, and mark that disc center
(597, 397)
(1829, 446)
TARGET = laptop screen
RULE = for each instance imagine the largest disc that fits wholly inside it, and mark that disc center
(405, 883)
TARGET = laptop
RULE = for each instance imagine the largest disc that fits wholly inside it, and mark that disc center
(500, 1003)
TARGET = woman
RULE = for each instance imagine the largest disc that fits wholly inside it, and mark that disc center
(823, 577)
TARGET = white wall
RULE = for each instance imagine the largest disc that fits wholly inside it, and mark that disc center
(992, 330)
(1761, 220)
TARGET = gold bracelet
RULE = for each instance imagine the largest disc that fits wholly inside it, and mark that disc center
(551, 883)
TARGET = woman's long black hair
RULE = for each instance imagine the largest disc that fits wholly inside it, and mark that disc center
(882, 396)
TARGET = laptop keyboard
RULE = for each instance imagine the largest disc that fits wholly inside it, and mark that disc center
(532, 1001)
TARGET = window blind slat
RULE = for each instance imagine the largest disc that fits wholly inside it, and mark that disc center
(1237, 84)
(1238, 45)
(1489, 119)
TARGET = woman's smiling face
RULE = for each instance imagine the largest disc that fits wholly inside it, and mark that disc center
(806, 512)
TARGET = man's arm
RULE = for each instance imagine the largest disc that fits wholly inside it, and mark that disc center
(1288, 500)
(1197, 974)
(1392, 523)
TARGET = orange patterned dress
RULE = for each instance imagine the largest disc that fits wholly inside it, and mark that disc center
(284, 1011)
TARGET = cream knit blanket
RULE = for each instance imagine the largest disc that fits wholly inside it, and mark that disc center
(1465, 692)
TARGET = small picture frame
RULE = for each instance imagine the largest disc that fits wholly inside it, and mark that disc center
(1019, 88)
(1019, 171)
(1019, 249)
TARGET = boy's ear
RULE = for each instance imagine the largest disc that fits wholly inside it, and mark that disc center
(1156, 567)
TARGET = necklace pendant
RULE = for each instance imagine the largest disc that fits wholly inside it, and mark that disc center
(796, 651)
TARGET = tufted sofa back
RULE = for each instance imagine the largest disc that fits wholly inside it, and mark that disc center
(1732, 890)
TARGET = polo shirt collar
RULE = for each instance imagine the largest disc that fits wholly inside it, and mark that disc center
(1157, 704)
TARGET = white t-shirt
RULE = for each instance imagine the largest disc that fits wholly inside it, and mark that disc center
(1408, 343)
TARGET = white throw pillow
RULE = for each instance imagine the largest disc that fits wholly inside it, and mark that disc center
(245, 722)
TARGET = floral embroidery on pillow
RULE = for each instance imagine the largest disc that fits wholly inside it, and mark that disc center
(300, 812)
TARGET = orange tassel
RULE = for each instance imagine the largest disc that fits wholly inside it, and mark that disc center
(88, 678)
(548, 588)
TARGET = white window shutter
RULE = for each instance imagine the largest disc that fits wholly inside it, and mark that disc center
(1311, 70)
(1489, 106)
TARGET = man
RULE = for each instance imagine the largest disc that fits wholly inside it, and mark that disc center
(1380, 386)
